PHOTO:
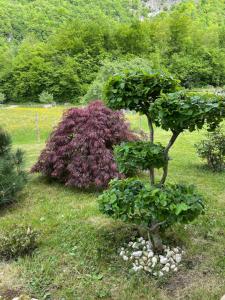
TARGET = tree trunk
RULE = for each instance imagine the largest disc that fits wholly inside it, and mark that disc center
(157, 242)
(151, 129)
(166, 152)
(154, 229)
(151, 136)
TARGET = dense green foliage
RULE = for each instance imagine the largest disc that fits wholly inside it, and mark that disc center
(110, 68)
(22, 17)
(138, 90)
(16, 242)
(212, 150)
(12, 177)
(134, 156)
(60, 49)
(131, 201)
(188, 111)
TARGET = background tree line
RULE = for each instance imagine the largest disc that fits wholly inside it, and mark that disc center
(66, 50)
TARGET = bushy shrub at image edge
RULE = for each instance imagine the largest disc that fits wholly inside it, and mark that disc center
(212, 149)
(12, 175)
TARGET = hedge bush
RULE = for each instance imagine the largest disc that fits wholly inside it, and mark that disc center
(79, 152)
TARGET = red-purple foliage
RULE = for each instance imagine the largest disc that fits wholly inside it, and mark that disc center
(79, 151)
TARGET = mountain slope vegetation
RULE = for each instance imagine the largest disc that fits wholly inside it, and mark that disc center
(60, 49)
(43, 17)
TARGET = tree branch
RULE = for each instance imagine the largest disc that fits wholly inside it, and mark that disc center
(151, 129)
(166, 151)
(155, 226)
(171, 141)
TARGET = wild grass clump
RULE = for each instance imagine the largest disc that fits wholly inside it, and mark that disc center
(17, 241)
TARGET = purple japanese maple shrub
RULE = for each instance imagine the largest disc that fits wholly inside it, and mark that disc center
(79, 152)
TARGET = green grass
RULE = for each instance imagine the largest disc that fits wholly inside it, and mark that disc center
(77, 254)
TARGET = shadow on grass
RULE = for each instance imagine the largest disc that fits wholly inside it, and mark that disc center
(204, 168)
(13, 205)
(114, 236)
(40, 179)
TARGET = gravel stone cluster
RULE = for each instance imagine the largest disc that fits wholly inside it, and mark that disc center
(140, 253)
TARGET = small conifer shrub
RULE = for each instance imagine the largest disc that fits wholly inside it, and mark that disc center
(12, 176)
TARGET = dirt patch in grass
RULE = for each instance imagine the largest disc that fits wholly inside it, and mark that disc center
(9, 294)
(99, 221)
(10, 281)
(195, 285)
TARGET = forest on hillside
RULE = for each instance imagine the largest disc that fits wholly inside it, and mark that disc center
(69, 50)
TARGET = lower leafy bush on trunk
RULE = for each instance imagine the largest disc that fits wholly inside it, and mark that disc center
(156, 208)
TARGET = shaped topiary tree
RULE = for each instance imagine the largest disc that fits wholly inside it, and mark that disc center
(154, 95)
(79, 152)
(138, 91)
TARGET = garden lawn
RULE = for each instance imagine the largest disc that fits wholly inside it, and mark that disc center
(77, 257)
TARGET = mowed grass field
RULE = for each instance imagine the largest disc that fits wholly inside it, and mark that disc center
(77, 257)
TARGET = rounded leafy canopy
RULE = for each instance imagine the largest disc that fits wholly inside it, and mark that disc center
(79, 152)
(131, 201)
(137, 90)
(139, 155)
(188, 111)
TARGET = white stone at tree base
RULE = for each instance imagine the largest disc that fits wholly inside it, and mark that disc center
(137, 254)
(142, 257)
(163, 260)
(178, 258)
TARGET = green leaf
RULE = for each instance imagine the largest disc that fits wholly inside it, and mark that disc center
(181, 207)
